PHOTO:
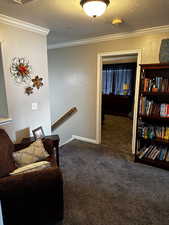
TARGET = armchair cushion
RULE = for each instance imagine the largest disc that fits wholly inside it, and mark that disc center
(34, 153)
(49, 146)
(31, 167)
(7, 163)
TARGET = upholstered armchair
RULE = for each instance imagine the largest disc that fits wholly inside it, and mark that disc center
(29, 198)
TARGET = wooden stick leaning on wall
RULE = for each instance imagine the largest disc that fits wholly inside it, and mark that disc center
(63, 118)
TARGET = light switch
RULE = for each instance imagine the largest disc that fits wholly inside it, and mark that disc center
(34, 106)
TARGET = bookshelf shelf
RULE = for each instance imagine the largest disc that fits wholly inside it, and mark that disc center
(153, 116)
(155, 66)
(156, 163)
(154, 119)
(155, 140)
(164, 94)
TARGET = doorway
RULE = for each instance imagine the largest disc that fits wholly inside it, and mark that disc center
(123, 95)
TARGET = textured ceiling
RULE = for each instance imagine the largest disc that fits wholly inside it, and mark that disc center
(68, 22)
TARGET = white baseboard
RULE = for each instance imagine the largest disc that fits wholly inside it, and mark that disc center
(66, 142)
(84, 139)
(80, 139)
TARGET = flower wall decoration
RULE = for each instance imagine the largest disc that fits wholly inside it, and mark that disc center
(37, 82)
(29, 90)
(21, 70)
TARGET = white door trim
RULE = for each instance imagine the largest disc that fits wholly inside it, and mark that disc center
(99, 91)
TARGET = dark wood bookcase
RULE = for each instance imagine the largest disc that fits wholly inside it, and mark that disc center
(152, 138)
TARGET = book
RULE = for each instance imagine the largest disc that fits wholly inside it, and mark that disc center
(158, 83)
(150, 108)
(146, 84)
(167, 109)
(150, 156)
(163, 111)
(167, 156)
(156, 154)
(143, 153)
(147, 131)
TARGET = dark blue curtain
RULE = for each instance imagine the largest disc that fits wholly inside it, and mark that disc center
(116, 77)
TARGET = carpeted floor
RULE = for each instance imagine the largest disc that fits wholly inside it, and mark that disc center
(103, 188)
(117, 131)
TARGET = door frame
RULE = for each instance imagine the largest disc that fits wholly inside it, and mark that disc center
(100, 56)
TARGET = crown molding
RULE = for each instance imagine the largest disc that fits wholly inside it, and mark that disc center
(23, 25)
(110, 37)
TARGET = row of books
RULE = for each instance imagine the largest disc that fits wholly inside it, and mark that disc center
(154, 152)
(151, 132)
(157, 84)
(150, 108)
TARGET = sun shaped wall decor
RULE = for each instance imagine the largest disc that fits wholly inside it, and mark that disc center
(21, 70)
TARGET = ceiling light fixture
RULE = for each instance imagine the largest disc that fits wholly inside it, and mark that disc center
(94, 8)
(21, 2)
(18, 1)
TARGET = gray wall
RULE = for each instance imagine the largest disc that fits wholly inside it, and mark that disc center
(33, 46)
(3, 100)
(1, 219)
(73, 78)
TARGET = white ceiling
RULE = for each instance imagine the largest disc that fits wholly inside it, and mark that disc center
(68, 22)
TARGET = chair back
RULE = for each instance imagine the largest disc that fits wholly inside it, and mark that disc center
(7, 163)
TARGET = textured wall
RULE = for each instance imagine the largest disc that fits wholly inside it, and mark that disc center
(3, 100)
(72, 77)
(21, 43)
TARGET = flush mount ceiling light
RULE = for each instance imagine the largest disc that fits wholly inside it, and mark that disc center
(21, 2)
(94, 8)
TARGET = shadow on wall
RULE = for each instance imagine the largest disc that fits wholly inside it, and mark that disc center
(20, 134)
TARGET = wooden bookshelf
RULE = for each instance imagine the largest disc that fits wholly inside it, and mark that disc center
(153, 116)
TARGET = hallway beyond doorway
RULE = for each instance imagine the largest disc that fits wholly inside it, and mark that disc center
(117, 134)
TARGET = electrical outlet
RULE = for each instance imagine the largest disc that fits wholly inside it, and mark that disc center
(34, 106)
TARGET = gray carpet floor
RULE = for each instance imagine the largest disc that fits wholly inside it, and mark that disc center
(103, 187)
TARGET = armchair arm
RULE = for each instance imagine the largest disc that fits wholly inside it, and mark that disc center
(50, 147)
(21, 185)
(39, 193)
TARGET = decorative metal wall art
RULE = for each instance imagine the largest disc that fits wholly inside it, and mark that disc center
(22, 73)
(29, 90)
(37, 82)
(21, 70)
